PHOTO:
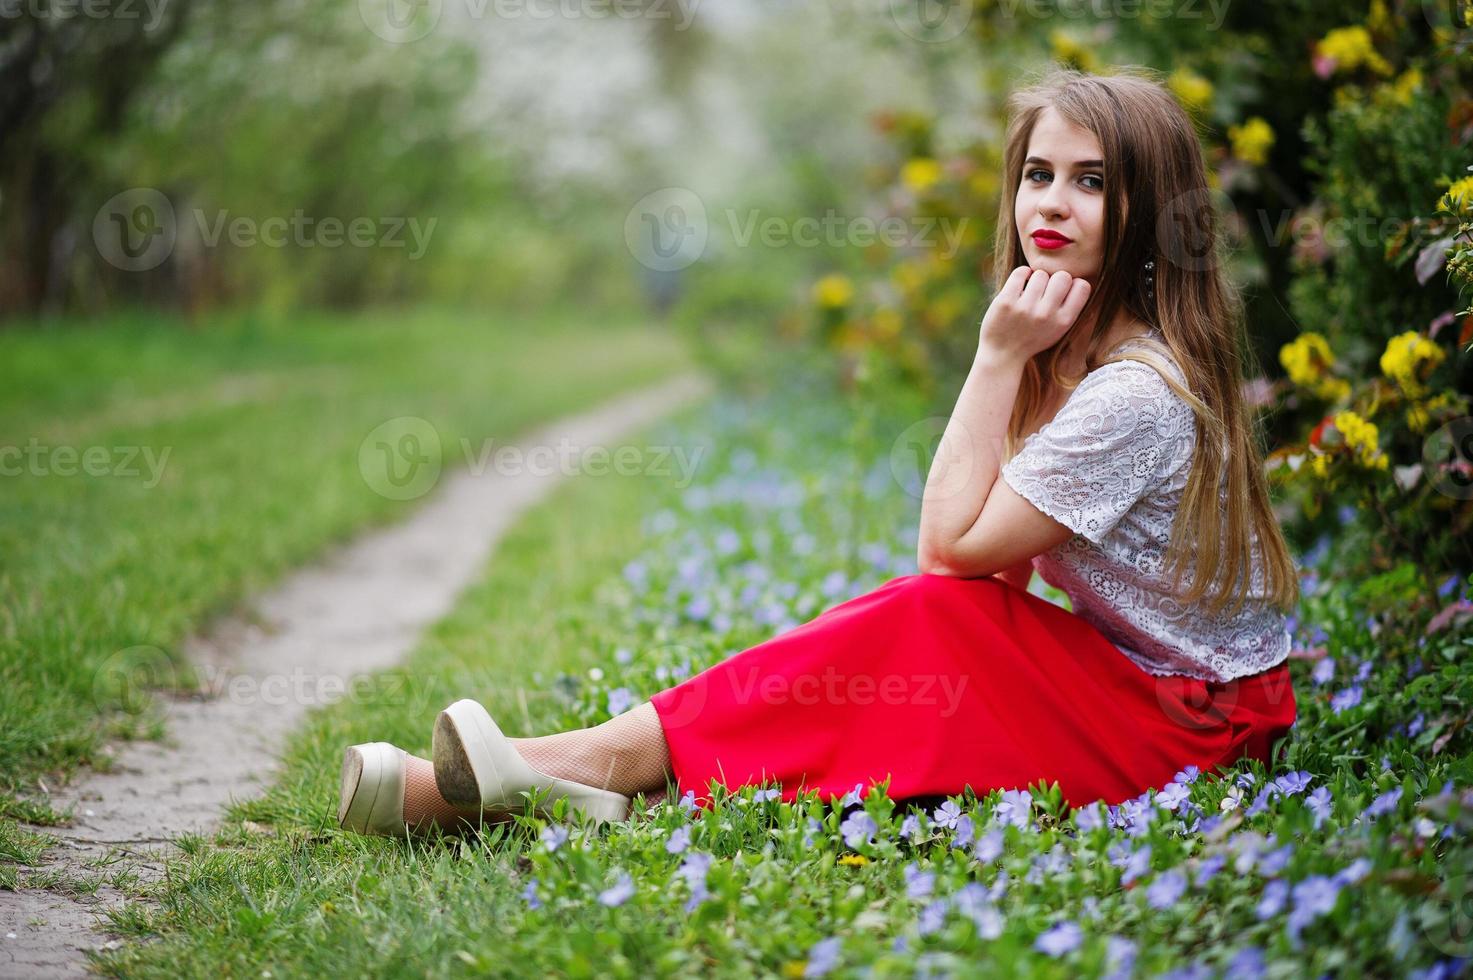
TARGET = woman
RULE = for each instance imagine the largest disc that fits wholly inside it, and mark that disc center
(1101, 438)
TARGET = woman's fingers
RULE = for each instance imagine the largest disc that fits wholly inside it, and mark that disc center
(1038, 281)
(1074, 301)
(1055, 290)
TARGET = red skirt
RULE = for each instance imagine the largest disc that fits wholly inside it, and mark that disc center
(939, 683)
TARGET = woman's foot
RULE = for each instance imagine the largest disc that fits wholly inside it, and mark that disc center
(476, 764)
(385, 791)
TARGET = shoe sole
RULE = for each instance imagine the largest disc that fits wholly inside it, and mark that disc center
(455, 773)
(462, 738)
(356, 801)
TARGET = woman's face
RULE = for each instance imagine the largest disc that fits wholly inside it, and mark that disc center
(1060, 206)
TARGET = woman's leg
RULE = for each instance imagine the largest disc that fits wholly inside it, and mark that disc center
(424, 806)
(626, 754)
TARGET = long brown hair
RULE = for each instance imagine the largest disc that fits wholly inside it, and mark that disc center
(1153, 160)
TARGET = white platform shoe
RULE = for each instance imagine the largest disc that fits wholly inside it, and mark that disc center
(476, 764)
(371, 794)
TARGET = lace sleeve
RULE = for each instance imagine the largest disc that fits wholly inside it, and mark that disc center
(1114, 441)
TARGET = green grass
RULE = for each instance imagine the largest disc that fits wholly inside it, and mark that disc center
(794, 510)
(224, 454)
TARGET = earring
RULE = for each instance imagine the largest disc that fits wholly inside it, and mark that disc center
(1149, 280)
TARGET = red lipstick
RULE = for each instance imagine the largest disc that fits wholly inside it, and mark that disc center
(1044, 238)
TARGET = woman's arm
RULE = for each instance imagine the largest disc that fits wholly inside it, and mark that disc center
(1019, 575)
(1031, 312)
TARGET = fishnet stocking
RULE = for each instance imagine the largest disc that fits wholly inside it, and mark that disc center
(425, 807)
(626, 754)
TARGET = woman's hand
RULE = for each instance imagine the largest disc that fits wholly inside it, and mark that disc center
(1031, 313)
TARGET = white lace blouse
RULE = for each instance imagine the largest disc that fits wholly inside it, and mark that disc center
(1112, 465)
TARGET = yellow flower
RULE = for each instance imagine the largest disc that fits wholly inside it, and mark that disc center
(1252, 140)
(854, 860)
(1191, 89)
(1361, 437)
(795, 969)
(909, 276)
(920, 173)
(1407, 84)
(1378, 19)
(1462, 191)
(1308, 360)
(833, 291)
(1351, 47)
(1407, 359)
(1320, 465)
(1070, 51)
(1417, 418)
(887, 322)
(983, 183)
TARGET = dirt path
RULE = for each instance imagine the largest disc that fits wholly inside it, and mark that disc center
(360, 610)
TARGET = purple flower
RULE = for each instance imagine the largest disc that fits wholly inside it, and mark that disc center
(1210, 866)
(1188, 775)
(1166, 889)
(693, 869)
(1060, 939)
(1446, 588)
(910, 826)
(619, 892)
(1324, 671)
(1321, 804)
(855, 795)
(530, 894)
(1015, 807)
(964, 832)
(1385, 803)
(679, 840)
(1247, 964)
(1415, 725)
(1293, 782)
(554, 835)
(621, 699)
(858, 828)
(918, 883)
(1364, 670)
(688, 801)
(932, 917)
(765, 795)
(1274, 861)
(1260, 802)
(1090, 817)
(1353, 872)
(822, 957)
(1275, 893)
(988, 847)
(1120, 954)
(1137, 864)
(1313, 897)
(1173, 795)
(1345, 699)
(946, 814)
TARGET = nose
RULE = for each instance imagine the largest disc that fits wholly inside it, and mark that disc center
(1051, 202)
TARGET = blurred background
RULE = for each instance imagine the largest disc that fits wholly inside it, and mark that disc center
(245, 234)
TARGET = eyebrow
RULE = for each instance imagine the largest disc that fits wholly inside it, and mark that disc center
(1079, 165)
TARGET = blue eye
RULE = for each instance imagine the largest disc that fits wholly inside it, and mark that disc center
(1098, 185)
